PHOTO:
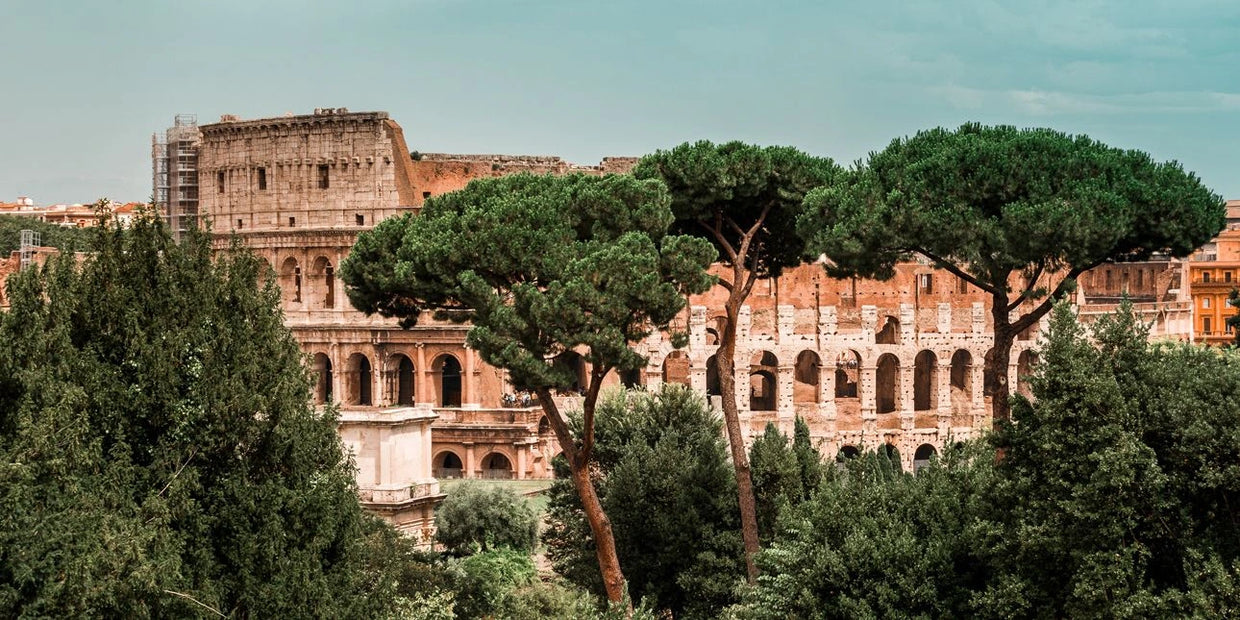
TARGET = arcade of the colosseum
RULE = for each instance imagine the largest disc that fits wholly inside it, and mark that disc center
(868, 364)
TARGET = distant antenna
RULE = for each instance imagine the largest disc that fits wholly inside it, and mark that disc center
(30, 241)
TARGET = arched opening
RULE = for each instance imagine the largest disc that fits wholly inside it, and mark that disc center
(806, 377)
(544, 426)
(404, 380)
(290, 280)
(496, 466)
(847, 452)
(886, 384)
(448, 466)
(631, 378)
(323, 375)
(962, 382)
(676, 368)
(713, 387)
(1024, 367)
(925, 453)
(712, 337)
(326, 274)
(359, 380)
(890, 333)
(847, 374)
(448, 371)
(575, 365)
(925, 381)
(763, 367)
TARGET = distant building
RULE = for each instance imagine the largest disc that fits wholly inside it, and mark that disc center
(1214, 271)
(68, 215)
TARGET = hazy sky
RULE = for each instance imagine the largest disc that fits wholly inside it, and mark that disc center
(86, 83)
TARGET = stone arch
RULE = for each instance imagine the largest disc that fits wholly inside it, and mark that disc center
(962, 381)
(403, 380)
(575, 364)
(359, 380)
(496, 466)
(544, 426)
(763, 388)
(323, 378)
(713, 387)
(676, 368)
(890, 333)
(806, 377)
(1024, 367)
(847, 452)
(847, 374)
(887, 384)
(925, 453)
(324, 292)
(447, 371)
(290, 280)
(925, 381)
(631, 378)
(448, 465)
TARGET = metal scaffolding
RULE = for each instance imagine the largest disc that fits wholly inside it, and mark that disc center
(174, 166)
(30, 240)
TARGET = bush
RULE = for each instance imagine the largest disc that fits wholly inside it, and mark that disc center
(477, 517)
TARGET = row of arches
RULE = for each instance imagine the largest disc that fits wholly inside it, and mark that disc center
(495, 466)
(316, 288)
(924, 454)
(807, 374)
(356, 380)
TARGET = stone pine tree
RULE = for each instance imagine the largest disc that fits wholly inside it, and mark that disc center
(1015, 213)
(745, 200)
(540, 266)
(158, 452)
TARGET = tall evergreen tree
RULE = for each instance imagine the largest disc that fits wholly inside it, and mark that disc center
(159, 454)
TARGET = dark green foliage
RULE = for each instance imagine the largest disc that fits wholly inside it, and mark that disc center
(720, 190)
(143, 472)
(776, 478)
(783, 477)
(475, 517)
(994, 200)
(1233, 321)
(489, 577)
(51, 235)
(666, 485)
(873, 544)
(1116, 496)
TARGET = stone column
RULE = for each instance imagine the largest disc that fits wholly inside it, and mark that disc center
(471, 461)
(944, 389)
(905, 408)
(469, 380)
(421, 395)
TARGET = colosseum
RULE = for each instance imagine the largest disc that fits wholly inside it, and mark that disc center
(896, 365)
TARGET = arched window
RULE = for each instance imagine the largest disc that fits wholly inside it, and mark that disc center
(496, 466)
(448, 370)
(925, 453)
(575, 365)
(847, 452)
(448, 466)
(404, 381)
(962, 382)
(925, 381)
(890, 333)
(847, 374)
(805, 386)
(886, 380)
(325, 295)
(290, 280)
(359, 380)
(713, 387)
(763, 393)
(676, 368)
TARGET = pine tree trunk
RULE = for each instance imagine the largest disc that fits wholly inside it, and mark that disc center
(1000, 404)
(726, 360)
(600, 527)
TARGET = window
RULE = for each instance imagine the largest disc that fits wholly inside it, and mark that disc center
(219, 181)
(1108, 276)
(925, 283)
(262, 179)
(361, 219)
(962, 285)
(1205, 276)
(292, 221)
(426, 195)
(297, 284)
(1227, 276)
(1140, 278)
(240, 223)
(1205, 325)
(324, 181)
(1205, 303)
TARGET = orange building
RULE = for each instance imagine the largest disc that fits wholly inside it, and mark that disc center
(1213, 272)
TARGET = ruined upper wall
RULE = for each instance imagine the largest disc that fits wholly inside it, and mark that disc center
(330, 169)
(438, 173)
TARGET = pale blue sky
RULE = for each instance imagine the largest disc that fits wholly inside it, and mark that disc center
(85, 83)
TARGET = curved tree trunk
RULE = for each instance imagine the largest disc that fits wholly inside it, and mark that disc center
(1000, 404)
(726, 359)
(600, 525)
